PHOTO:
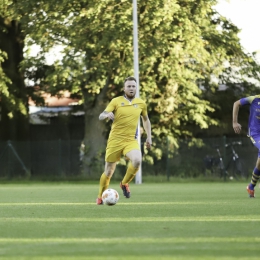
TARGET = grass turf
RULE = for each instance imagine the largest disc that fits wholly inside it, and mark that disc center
(159, 221)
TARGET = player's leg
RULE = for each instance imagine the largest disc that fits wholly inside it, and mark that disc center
(254, 179)
(105, 177)
(256, 171)
(112, 156)
(135, 158)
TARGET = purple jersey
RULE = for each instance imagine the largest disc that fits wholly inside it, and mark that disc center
(254, 117)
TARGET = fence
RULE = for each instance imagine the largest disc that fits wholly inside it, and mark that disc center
(61, 159)
(236, 154)
(44, 159)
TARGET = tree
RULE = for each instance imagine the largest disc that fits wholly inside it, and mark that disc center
(181, 42)
(237, 83)
(14, 102)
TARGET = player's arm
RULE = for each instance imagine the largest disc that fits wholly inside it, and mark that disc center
(241, 102)
(105, 114)
(147, 128)
(236, 126)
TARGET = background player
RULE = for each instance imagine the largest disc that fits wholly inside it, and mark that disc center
(253, 133)
(125, 112)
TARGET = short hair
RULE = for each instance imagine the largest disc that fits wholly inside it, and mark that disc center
(129, 79)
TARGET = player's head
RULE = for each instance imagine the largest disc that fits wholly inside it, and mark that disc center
(130, 87)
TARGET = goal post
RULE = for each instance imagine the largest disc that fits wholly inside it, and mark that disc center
(138, 177)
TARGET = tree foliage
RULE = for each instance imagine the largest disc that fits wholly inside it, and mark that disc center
(14, 107)
(183, 44)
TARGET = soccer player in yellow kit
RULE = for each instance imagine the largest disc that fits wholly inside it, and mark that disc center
(125, 112)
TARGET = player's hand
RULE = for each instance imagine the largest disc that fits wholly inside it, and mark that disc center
(111, 116)
(237, 128)
(148, 143)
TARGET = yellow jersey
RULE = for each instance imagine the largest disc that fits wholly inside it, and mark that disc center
(127, 114)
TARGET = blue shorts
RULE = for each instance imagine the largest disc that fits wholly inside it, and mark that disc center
(256, 142)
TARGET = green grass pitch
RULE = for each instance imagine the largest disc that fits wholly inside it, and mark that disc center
(159, 221)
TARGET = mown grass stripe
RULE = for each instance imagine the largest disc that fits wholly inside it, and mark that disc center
(134, 240)
(119, 257)
(253, 218)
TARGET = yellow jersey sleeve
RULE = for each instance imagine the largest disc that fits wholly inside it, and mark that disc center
(144, 110)
(111, 106)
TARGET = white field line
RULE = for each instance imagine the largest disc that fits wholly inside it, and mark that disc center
(3, 204)
(134, 240)
(251, 218)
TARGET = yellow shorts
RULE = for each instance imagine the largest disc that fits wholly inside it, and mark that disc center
(115, 149)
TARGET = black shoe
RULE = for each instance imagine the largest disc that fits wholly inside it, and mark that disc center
(126, 190)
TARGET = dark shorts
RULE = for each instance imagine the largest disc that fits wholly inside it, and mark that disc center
(256, 142)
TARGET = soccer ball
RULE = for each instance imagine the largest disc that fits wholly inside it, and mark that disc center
(110, 197)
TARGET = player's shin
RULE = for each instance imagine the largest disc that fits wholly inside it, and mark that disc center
(103, 184)
(255, 177)
(130, 173)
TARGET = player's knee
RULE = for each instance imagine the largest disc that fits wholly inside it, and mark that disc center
(109, 172)
(136, 162)
(109, 169)
(258, 164)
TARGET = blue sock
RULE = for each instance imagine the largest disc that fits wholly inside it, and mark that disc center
(251, 186)
(255, 178)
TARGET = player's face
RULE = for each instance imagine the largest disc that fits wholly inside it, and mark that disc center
(130, 88)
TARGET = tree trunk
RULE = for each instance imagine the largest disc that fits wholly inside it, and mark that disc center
(94, 139)
(14, 124)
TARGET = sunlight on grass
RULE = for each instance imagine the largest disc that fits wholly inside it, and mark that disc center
(160, 222)
(254, 218)
(133, 240)
(113, 257)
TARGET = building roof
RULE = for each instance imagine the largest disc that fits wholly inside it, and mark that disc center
(61, 104)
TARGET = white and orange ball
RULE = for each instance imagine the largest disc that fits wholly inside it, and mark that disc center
(110, 197)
